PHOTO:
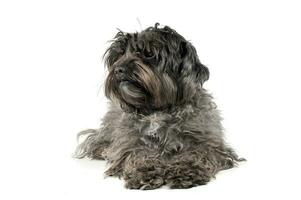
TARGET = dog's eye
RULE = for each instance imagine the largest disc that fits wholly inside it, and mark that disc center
(148, 54)
(144, 53)
(137, 52)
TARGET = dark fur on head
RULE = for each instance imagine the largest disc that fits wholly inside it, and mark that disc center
(162, 70)
(162, 126)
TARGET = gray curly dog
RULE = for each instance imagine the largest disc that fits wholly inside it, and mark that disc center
(162, 127)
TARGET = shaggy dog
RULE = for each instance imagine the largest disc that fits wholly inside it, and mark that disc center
(162, 127)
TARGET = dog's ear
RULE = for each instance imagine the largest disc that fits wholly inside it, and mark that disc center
(191, 65)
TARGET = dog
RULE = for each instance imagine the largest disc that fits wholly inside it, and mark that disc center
(162, 127)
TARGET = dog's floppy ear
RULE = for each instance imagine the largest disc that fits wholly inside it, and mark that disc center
(202, 72)
(191, 65)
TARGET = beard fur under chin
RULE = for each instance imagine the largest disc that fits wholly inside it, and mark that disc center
(132, 94)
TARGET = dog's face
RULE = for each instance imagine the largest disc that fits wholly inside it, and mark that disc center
(152, 70)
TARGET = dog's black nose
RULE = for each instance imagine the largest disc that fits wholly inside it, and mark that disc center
(120, 73)
(119, 70)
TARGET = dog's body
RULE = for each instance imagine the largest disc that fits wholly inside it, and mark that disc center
(162, 126)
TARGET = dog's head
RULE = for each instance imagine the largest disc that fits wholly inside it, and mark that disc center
(152, 70)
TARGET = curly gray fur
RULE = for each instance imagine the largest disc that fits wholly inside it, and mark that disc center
(159, 131)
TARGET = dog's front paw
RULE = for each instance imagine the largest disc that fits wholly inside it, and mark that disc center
(144, 183)
(144, 177)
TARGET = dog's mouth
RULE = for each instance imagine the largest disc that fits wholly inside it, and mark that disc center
(132, 93)
(121, 79)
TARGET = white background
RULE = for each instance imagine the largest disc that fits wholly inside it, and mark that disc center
(51, 87)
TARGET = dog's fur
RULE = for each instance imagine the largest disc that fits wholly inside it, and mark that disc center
(162, 127)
